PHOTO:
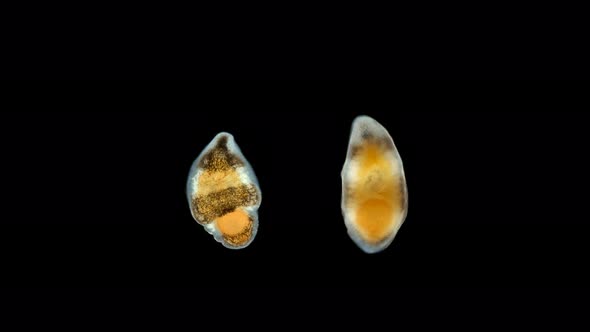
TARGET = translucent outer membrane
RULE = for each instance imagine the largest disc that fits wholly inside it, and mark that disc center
(374, 192)
(224, 194)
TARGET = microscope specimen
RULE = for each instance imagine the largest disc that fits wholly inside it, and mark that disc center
(224, 194)
(374, 192)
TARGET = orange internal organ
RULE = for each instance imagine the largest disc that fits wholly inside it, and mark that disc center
(376, 194)
(235, 226)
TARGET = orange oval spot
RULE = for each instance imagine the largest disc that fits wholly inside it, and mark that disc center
(374, 219)
(233, 223)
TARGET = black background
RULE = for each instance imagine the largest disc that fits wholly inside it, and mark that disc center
(96, 230)
(94, 185)
(93, 175)
(410, 40)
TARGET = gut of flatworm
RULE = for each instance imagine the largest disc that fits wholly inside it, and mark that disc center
(224, 194)
(374, 192)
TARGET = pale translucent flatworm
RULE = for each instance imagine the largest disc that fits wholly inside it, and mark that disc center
(374, 192)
